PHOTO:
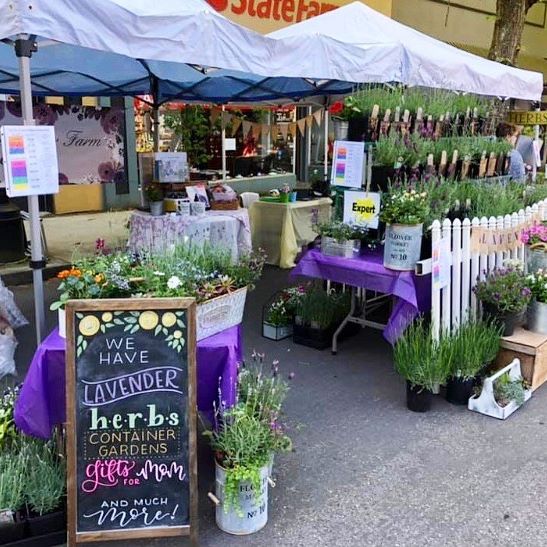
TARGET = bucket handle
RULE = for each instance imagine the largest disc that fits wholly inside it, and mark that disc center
(213, 498)
(271, 482)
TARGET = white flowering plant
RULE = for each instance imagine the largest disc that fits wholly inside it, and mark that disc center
(404, 206)
(537, 283)
(281, 311)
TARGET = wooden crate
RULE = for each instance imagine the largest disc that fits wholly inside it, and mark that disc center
(531, 349)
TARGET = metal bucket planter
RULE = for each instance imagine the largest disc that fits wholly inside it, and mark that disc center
(61, 318)
(345, 249)
(276, 332)
(254, 508)
(402, 246)
(535, 259)
(156, 208)
(537, 317)
(341, 128)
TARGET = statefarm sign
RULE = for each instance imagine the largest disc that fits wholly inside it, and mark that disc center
(283, 11)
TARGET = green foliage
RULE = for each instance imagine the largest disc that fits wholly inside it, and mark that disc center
(153, 192)
(419, 359)
(191, 125)
(12, 482)
(476, 344)
(507, 390)
(537, 283)
(8, 432)
(323, 309)
(281, 311)
(390, 150)
(342, 232)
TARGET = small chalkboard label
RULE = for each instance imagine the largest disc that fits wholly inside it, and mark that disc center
(131, 419)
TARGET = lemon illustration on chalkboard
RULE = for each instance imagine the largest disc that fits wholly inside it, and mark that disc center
(148, 320)
(168, 319)
(177, 334)
(106, 317)
(89, 325)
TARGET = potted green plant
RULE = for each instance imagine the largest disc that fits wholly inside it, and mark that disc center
(504, 295)
(535, 241)
(476, 344)
(45, 485)
(340, 114)
(8, 433)
(318, 315)
(12, 497)
(423, 362)
(537, 308)
(404, 212)
(388, 160)
(340, 239)
(244, 440)
(154, 195)
(278, 314)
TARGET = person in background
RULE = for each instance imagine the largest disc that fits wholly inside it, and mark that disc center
(525, 145)
(517, 169)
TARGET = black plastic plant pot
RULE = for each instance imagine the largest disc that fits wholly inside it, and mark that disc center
(11, 532)
(358, 128)
(418, 399)
(459, 390)
(381, 176)
(47, 524)
(508, 321)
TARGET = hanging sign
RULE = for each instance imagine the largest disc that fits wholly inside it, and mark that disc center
(347, 164)
(30, 160)
(440, 263)
(131, 419)
(525, 117)
(362, 208)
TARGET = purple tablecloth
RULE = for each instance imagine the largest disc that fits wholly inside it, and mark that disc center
(41, 403)
(413, 293)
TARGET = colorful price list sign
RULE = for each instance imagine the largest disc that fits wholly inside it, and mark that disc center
(348, 160)
(30, 160)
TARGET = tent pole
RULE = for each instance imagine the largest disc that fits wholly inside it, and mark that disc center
(156, 114)
(223, 138)
(326, 161)
(23, 50)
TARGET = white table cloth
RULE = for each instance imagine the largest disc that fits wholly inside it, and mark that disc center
(223, 229)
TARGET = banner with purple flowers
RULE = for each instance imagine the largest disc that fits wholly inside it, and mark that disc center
(90, 141)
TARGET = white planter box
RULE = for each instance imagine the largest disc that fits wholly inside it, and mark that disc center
(220, 313)
(485, 403)
(345, 249)
(276, 333)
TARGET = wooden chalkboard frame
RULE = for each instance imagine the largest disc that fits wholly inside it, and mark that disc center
(134, 304)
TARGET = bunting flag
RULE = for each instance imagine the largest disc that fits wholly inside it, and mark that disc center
(274, 131)
(284, 128)
(215, 113)
(256, 128)
(236, 124)
(226, 119)
(309, 121)
(318, 117)
(292, 129)
(265, 129)
(301, 124)
(246, 128)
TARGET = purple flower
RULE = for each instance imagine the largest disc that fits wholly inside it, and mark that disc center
(44, 114)
(14, 108)
(112, 120)
(63, 179)
(526, 292)
(106, 171)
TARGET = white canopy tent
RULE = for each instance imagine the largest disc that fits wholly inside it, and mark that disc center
(400, 54)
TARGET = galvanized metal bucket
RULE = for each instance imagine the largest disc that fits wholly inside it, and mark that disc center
(537, 317)
(156, 208)
(535, 259)
(255, 508)
(341, 128)
(402, 246)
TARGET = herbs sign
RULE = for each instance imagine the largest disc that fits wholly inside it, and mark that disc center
(131, 418)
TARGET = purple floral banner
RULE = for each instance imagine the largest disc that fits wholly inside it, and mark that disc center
(90, 141)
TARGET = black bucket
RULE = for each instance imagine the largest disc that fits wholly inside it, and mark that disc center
(418, 399)
(459, 390)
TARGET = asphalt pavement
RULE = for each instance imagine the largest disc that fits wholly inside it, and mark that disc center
(365, 471)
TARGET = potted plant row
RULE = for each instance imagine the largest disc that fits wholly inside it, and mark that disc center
(341, 239)
(278, 314)
(318, 315)
(244, 439)
(210, 275)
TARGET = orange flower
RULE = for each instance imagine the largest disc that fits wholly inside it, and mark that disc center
(99, 278)
(63, 275)
(75, 272)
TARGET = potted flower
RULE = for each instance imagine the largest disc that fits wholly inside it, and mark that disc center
(154, 195)
(340, 239)
(244, 440)
(504, 295)
(476, 344)
(284, 193)
(537, 308)
(340, 114)
(535, 241)
(12, 497)
(278, 314)
(404, 212)
(423, 362)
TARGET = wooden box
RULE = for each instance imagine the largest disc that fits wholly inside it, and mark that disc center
(531, 348)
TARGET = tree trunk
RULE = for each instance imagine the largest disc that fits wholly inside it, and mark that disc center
(510, 18)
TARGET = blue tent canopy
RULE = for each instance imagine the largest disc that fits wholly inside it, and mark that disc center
(61, 69)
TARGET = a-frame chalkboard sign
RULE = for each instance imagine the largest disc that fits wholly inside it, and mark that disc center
(131, 419)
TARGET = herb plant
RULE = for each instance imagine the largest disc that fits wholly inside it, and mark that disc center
(402, 206)
(342, 232)
(537, 283)
(507, 390)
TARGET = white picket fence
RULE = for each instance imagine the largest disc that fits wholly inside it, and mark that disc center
(456, 302)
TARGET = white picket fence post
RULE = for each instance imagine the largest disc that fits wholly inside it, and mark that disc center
(455, 303)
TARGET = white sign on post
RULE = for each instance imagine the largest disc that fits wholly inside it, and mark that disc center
(362, 208)
(30, 160)
(347, 164)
